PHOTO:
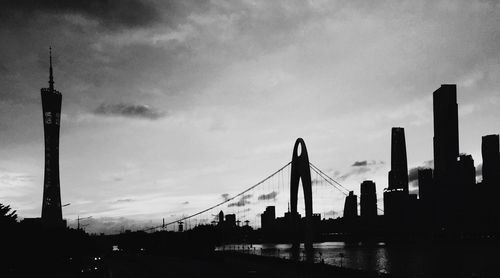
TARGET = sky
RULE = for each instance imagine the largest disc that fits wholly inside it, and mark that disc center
(168, 105)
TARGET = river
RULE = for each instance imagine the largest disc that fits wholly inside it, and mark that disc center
(411, 260)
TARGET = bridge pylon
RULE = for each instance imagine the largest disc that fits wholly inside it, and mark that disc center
(300, 171)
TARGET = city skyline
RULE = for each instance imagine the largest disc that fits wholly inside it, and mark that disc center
(172, 134)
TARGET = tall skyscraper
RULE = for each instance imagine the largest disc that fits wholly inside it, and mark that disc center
(491, 159)
(351, 205)
(368, 199)
(396, 195)
(445, 134)
(51, 104)
(398, 176)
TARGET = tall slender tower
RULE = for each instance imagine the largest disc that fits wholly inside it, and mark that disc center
(398, 176)
(447, 193)
(51, 104)
(445, 134)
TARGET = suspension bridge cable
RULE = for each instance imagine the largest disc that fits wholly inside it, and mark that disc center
(221, 203)
(336, 187)
(317, 169)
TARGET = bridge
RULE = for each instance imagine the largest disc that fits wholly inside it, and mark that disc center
(281, 190)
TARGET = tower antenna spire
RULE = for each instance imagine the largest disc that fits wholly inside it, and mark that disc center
(51, 76)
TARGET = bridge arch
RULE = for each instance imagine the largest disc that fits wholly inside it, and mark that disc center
(300, 171)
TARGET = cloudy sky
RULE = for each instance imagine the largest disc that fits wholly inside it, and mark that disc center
(167, 105)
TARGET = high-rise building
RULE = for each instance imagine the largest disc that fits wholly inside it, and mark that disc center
(221, 218)
(446, 148)
(425, 184)
(230, 221)
(491, 159)
(368, 199)
(396, 195)
(466, 171)
(267, 218)
(398, 176)
(351, 205)
(51, 205)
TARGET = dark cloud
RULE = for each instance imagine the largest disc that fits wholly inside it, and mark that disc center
(360, 167)
(366, 163)
(3, 69)
(360, 163)
(185, 203)
(243, 201)
(128, 200)
(316, 181)
(268, 196)
(129, 110)
(108, 13)
(413, 172)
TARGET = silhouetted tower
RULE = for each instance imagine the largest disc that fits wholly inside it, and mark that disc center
(396, 199)
(426, 197)
(491, 159)
(351, 205)
(301, 172)
(466, 171)
(221, 217)
(398, 176)
(445, 134)
(368, 199)
(230, 221)
(267, 218)
(489, 207)
(425, 184)
(51, 204)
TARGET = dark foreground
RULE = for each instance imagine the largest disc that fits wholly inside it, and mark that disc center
(224, 264)
(217, 264)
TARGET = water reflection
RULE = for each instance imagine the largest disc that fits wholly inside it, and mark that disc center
(413, 260)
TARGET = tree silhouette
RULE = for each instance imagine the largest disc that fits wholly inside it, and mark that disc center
(7, 217)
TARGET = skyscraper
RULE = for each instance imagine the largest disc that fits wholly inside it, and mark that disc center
(51, 104)
(398, 176)
(368, 199)
(466, 171)
(396, 195)
(491, 159)
(351, 205)
(445, 134)
(425, 184)
(267, 218)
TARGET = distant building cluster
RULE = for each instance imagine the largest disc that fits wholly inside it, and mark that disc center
(449, 198)
(449, 202)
